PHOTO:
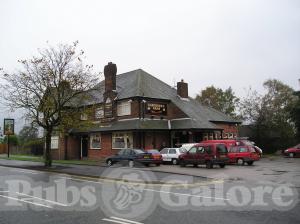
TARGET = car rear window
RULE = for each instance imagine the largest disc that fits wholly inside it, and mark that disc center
(139, 151)
(153, 151)
(221, 149)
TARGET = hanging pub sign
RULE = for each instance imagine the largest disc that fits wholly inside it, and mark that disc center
(108, 108)
(9, 126)
(156, 109)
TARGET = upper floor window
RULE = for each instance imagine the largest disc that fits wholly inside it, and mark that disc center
(99, 112)
(83, 117)
(124, 108)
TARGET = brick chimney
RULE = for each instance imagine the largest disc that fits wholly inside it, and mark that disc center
(182, 89)
(110, 72)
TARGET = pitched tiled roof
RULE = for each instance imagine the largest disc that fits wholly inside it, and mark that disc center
(140, 83)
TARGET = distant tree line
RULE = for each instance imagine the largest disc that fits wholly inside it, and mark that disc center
(273, 118)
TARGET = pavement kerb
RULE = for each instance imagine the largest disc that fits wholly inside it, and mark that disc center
(84, 176)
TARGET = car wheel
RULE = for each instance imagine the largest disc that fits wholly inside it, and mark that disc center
(131, 163)
(157, 164)
(240, 161)
(109, 162)
(174, 161)
(250, 163)
(291, 155)
(195, 165)
(222, 165)
(209, 165)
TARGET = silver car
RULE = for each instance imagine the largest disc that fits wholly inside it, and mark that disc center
(171, 154)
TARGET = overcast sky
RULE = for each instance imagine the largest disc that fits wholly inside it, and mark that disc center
(237, 43)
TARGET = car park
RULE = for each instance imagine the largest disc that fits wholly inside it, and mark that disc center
(132, 157)
(293, 151)
(171, 155)
(242, 154)
(209, 154)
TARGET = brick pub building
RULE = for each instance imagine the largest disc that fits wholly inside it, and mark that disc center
(137, 110)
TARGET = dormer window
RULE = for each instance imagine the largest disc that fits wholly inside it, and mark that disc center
(124, 108)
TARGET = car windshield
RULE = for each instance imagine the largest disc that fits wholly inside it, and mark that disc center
(221, 148)
(182, 150)
(139, 151)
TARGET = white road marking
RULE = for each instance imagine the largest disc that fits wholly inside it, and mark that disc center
(83, 180)
(120, 220)
(26, 171)
(189, 195)
(33, 197)
(125, 220)
(24, 201)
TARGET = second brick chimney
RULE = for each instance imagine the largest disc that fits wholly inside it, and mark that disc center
(182, 89)
(110, 72)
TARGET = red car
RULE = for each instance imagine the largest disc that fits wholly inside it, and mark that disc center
(242, 155)
(235, 142)
(293, 152)
(156, 156)
(209, 154)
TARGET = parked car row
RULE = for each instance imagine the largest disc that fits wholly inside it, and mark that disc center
(208, 153)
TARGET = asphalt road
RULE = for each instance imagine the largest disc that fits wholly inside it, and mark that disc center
(29, 196)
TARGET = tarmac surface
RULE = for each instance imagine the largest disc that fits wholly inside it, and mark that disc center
(267, 192)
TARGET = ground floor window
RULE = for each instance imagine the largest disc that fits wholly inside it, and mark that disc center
(95, 141)
(122, 140)
(54, 142)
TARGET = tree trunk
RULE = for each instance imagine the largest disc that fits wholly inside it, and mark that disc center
(47, 154)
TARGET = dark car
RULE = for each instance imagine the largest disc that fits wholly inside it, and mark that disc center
(132, 157)
(293, 151)
(209, 154)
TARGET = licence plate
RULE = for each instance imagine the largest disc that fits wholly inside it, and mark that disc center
(222, 157)
(146, 157)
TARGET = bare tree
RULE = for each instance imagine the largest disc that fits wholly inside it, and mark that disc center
(48, 86)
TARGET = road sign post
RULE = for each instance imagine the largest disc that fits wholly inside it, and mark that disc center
(9, 128)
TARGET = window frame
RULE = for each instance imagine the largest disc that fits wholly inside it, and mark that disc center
(126, 135)
(91, 145)
(56, 138)
(123, 108)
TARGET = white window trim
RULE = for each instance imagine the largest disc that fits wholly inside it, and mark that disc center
(91, 147)
(124, 108)
(52, 146)
(128, 133)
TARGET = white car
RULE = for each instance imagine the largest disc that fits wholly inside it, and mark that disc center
(171, 154)
(188, 146)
